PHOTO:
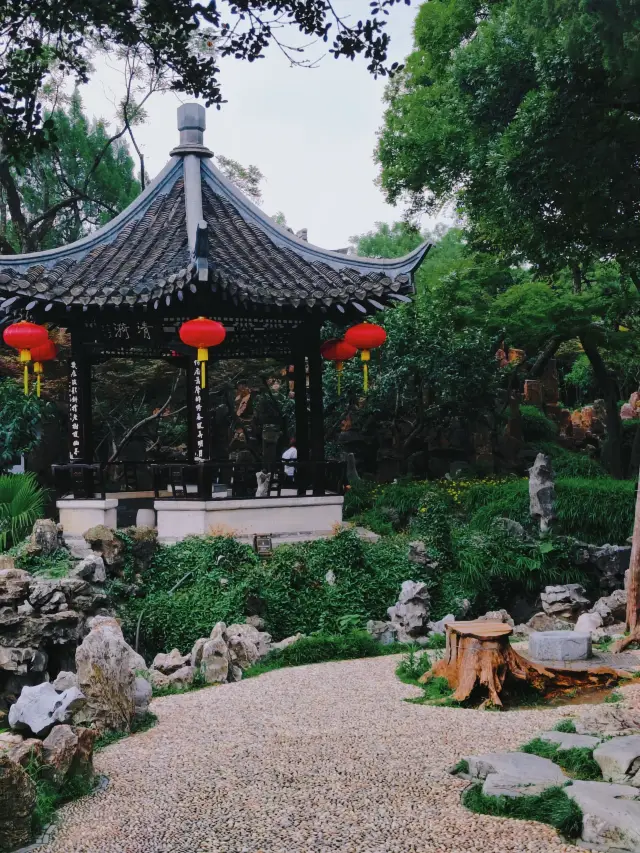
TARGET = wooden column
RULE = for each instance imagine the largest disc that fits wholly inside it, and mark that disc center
(198, 414)
(316, 407)
(80, 421)
(302, 415)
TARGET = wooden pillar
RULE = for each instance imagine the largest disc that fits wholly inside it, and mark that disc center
(80, 421)
(302, 417)
(316, 407)
(198, 414)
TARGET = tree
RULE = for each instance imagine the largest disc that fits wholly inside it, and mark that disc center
(527, 111)
(21, 417)
(61, 195)
(176, 37)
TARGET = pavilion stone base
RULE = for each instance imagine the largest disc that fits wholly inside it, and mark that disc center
(76, 516)
(294, 519)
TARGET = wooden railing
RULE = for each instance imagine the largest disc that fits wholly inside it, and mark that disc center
(201, 481)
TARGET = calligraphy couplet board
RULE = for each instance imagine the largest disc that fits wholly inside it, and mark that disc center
(80, 444)
(199, 413)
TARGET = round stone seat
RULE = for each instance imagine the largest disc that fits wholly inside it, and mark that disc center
(560, 645)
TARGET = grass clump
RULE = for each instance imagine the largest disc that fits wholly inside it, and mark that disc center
(552, 806)
(567, 725)
(461, 767)
(613, 698)
(54, 565)
(321, 648)
(48, 796)
(412, 666)
(578, 762)
(148, 721)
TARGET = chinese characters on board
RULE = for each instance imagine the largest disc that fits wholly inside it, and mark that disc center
(74, 414)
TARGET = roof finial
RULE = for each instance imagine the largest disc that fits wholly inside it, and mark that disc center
(191, 124)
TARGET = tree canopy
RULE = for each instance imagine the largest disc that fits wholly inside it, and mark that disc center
(528, 111)
(179, 37)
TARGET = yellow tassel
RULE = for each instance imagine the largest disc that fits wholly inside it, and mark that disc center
(203, 356)
(365, 356)
(38, 385)
(203, 373)
(26, 379)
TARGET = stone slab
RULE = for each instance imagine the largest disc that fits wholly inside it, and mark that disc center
(560, 645)
(567, 740)
(619, 758)
(516, 771)
(611, 816)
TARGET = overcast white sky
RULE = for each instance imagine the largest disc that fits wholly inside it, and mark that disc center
(311, 132)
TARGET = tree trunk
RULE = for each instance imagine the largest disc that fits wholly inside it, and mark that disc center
(610, 392)
(544, 357)
(633, 586)
(479, 654)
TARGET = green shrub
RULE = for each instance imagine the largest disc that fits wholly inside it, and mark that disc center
(577, 762)
(389, 504)
(579, 505)
(21, 503)
(54, 565)
(536, 425)
(289, 590)
(571, 463)
(48, 797)
(566, 725)
(376, 520)
(552, 806)
(412, 666)
(320, 648)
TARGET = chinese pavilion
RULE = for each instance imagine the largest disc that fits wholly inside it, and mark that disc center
(193, 245)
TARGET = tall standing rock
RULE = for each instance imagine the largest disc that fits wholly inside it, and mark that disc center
(542, 493)
(106, 676)
(17, 801)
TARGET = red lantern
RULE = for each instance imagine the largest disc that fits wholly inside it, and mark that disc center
(47, 352)
(202, 334)
(24, 337)
(338, 351)
(365, 336)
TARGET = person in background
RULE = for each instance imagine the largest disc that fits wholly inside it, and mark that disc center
(290, 455)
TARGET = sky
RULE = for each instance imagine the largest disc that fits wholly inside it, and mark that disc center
(311, 132)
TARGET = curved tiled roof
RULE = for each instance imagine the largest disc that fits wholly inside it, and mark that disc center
(152, 251)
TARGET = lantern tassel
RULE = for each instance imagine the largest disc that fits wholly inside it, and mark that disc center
(26, 379)
(38, 385)
(365, 356)
(203, 373)
(203, 356)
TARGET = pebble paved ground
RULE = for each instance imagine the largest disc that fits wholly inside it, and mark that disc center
(305, 760)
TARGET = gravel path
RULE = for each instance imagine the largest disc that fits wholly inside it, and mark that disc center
(305, 760)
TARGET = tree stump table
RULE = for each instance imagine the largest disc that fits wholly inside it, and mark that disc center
(479, 654)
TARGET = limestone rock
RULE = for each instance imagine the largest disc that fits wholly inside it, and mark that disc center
(611, 562)
(544, 622)
(514, 774)
(588, 623)
(367, 535)
(14, 586)
(330, 577)
(17, 801)
(440, 627)
(39, 708)
(168, 663)
(383, 632)
(260, 639)
(158, 679)
(619, 760)
(568, 740)
(64, 681)
(242, 651)
(410, 614)
(20, 749)
(195, 658)
(46, 537)
(144, 544)
(288, 641)
(214, 663)
(256, 621)
(565, 602)
(91, 568)
(106, 676)
(610, 816)
(612, 608)
(68, 752)
(497, 616)
(15, 660)
(560, 646)
(104, 541)
(182, 678)
(542, 492)
(142, 697)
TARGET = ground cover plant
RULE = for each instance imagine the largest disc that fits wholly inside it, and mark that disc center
(290, 591)
(578, 762)
(552, 806)
(48, 797)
